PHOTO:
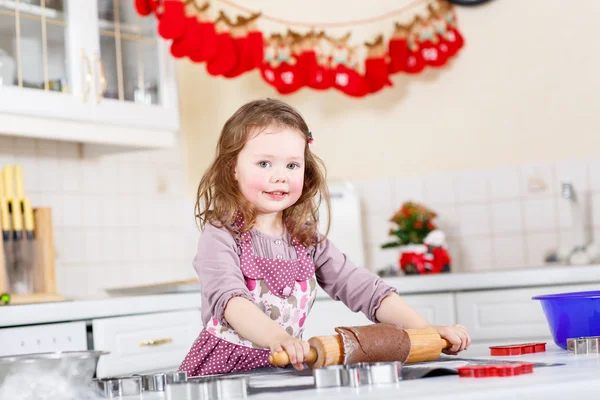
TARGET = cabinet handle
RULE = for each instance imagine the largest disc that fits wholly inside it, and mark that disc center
(102, 78)
(88, 75)
(156, 342)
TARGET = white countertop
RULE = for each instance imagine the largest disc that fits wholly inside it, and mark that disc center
(85, 309)
(501, 279)
(577, 378)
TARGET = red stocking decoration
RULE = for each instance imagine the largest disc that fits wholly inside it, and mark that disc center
(171, 23)
(226, 58)
(428, 42)
(376, 68)
(398, 49)
(267, 68)
(144, 7)
(208, 50)
(191, 41)
(446, 46)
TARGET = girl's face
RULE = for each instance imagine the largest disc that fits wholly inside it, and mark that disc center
(270, 169)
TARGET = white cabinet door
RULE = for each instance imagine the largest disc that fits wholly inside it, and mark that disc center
(70, 336)
(46, 72)
(327, 314)
(134, 72)
(86, 71)
(507, 314)
(145, 343)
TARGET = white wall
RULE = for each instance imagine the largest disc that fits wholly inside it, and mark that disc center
(524, 89)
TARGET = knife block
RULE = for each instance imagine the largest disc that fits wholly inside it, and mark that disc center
(44, 267)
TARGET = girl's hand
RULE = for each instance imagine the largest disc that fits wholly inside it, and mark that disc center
(296, 349)
(457, 335)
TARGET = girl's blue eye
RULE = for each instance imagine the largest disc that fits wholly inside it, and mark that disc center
(293, 166)
(264, 164)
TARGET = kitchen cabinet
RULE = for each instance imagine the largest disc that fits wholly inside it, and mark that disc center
(69, 336)
(145, 343)
(326, 314)
(495, 315)
(88, 71)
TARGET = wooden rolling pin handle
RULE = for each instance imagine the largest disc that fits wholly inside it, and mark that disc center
(282, 359)
(445, 344)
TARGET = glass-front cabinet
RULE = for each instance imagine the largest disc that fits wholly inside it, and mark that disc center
(91, 62)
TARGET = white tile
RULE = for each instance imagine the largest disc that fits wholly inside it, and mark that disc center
(91, 176)
(76, 281)
(71, 175)
(131, 245)
(575, 172)
(93, 211)
(594, 175)
(507, 217)
(504, 183)
(439, 188)
(94, 246)
(71, 245)
(448, 218)
(377, 229)
(477, 254)
(537, 180)
(565, 210)
(110, 211)
(474, 219)
(48, 175)
(376, 197)
(472, 186)
(72, 210)
(455, 252)
(113, 246)
(540, 214)
(378, 258)
(538, 246)
(408, 189)
(509, 251)
(107, 179)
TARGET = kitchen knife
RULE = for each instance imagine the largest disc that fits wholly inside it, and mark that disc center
(19, 280)
(5, 247)
(28, 247)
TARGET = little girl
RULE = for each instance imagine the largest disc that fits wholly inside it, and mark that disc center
(260, 256)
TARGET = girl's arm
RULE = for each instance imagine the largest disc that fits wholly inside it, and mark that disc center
(394, 310)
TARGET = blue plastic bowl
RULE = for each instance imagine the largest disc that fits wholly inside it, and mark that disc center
(571, 315)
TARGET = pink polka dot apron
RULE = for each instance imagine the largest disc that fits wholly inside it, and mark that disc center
(284, 290)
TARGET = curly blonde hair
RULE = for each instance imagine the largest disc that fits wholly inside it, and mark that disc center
(219, 199)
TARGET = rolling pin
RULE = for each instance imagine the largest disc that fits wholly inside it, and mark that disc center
(371, 343)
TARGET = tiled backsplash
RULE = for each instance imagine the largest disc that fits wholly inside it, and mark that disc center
(125, 220)
(493, 219)
(119, 220)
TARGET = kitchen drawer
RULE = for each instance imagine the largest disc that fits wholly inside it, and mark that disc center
(507, 314)
(327, 314)
(43, 338)
(145, 343)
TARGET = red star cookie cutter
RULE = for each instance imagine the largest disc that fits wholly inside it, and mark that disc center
(517, 349)
(495, 370)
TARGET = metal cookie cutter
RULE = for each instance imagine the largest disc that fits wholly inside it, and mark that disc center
(209, 388)
(375, 373)
(584, 345)
(232, 387)
(119, 386)
(157, 382)
(334, 376)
